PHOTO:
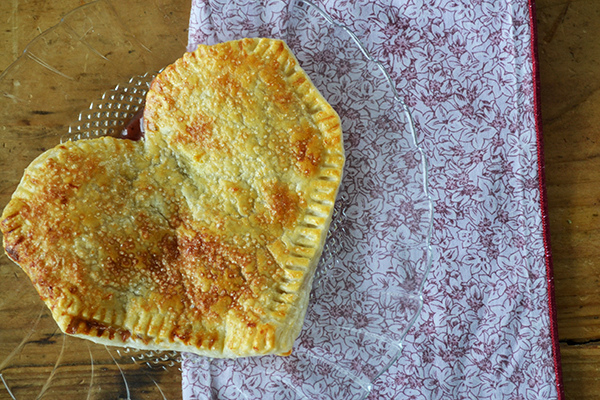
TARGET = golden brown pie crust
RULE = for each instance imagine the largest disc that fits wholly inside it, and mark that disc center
(205, 235)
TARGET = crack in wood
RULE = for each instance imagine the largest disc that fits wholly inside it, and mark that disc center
(574, 342)
(550, 35)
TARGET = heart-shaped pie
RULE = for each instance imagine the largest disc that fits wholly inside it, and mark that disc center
(204, 235)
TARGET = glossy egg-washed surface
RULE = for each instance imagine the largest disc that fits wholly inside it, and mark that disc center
(205, 235)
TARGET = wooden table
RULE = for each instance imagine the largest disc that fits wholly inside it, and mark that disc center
(73, 365)
(569, 54)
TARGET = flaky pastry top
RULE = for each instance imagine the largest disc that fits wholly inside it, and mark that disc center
(204, 236)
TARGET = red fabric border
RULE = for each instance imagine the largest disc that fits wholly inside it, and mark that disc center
(544, 203)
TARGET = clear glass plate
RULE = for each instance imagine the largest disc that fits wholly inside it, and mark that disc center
(87, 77)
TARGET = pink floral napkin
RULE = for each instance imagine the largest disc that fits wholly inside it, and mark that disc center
(486, 328)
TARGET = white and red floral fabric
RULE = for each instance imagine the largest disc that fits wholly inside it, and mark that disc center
(466, 69)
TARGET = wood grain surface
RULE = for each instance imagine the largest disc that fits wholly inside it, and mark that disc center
(569, 55)
(36, 360)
